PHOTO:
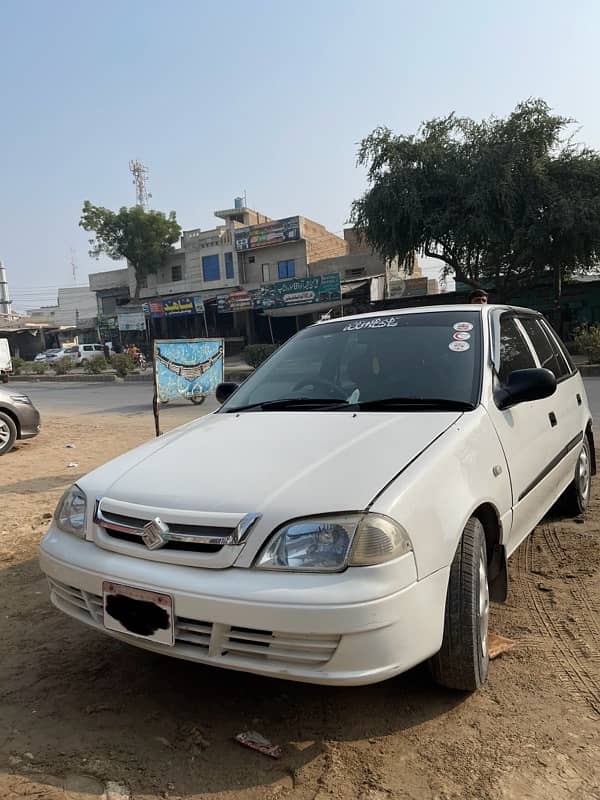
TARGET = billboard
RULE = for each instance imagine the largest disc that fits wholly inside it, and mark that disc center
(132, 321)
(187, 368)
(283, 294)
(176, 307)
(268, 233)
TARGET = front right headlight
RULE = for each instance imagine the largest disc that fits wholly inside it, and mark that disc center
(332, 543)
(71, 511)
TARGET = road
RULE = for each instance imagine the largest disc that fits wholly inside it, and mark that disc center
(107, 398)
(135, 398)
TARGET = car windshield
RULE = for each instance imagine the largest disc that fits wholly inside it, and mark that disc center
(427, 360)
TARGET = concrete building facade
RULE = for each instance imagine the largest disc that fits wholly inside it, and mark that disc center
(283, 248)
(75, 304)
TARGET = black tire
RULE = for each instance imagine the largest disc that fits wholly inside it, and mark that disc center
(576, 497)
(197, 399)
(4, 377)
(462, 663)
(8, 433)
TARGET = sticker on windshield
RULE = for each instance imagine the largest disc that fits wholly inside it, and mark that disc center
(463, 326)
(459, 347)
(376, 322)
(461, 336)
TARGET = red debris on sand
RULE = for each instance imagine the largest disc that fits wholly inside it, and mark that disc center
(255, 741)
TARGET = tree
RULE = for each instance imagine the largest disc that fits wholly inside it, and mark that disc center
(144, 238)
(499, 202)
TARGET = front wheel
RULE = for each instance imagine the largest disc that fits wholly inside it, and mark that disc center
(4, 377)
(462, 663)
(197, 399)
(8, 433)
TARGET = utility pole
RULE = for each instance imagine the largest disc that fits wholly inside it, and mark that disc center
(73, 262)
(140, 181)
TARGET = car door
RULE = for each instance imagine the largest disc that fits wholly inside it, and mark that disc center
(524, 430)
(569, 424)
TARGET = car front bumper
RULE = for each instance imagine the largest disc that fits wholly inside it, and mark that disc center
(268, 623)
(29, 420)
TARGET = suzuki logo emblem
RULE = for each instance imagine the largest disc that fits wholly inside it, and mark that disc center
(155, 534)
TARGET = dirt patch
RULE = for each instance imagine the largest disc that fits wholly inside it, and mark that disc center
(79, 710)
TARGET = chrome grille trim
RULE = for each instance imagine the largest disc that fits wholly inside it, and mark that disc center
(235, 536)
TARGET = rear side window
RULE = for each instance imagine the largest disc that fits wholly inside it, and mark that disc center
(547, 351)
(514, 350)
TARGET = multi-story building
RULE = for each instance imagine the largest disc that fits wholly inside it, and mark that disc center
(283, 248)
(75, 304)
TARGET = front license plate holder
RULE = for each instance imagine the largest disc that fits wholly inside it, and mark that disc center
(138, 612)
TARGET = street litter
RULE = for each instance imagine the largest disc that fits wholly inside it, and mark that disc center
(498, 645)
(255, 741)
(72, 464)
(69, 446)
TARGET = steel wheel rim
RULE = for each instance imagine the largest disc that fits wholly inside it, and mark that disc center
(4, 434)
(484, 605)
(583, 473)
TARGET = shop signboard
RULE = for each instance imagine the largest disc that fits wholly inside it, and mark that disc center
(283, 294)
(131, 321)
(187, 368)
(268, 233)
(176, 307)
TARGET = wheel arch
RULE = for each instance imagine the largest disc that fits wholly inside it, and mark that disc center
(10, 413)
(590, 437)
(488, 515)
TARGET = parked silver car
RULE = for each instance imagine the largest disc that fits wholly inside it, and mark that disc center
(19, 419)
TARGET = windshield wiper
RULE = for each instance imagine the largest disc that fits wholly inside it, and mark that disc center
(433, 403)
(288, 403)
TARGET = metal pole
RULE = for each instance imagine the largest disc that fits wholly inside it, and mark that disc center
(155, 402)
(271, 329)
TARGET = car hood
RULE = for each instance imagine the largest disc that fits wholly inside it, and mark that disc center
(291, 463)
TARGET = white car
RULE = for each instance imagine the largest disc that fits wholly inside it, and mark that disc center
(82, 352)
(348, 511)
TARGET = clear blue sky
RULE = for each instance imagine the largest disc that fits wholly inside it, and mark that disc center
(270, 97)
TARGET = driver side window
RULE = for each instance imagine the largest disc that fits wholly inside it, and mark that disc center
(514, 350)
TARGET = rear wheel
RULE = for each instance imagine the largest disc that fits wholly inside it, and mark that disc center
(576, 498)
(463, 660)
(197, 399)
(8, 433)
(4, 377)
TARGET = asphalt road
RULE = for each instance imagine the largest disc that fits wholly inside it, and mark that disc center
(135, 398)
(106, 398)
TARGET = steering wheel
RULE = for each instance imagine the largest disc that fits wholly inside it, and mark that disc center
(331, 388)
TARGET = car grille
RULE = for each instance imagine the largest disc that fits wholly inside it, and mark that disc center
(188, 530)
(214, 640)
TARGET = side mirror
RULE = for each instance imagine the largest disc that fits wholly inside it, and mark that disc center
(225, 390)
(524, 385)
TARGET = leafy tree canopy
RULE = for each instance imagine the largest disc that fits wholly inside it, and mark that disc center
(144, 238)
(499, 202)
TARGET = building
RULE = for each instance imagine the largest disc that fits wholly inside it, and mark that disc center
(74, 305)
(283, 248)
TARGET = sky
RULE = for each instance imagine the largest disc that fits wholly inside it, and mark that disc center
(268, 98)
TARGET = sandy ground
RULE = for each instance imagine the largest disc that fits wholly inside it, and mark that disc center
(78, 710)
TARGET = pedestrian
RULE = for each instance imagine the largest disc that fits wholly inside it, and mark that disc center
(106, 349)
(478, 296)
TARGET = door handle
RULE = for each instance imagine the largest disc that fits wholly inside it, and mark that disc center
(578, 399)
(552, 418)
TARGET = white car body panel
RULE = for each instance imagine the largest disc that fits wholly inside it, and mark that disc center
(430, 471)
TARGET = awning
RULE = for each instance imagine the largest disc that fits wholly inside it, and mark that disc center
(308, 308)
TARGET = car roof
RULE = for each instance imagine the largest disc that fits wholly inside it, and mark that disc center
(483, 309)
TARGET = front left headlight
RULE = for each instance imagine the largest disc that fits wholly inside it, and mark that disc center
(70, 512)
(330, 544)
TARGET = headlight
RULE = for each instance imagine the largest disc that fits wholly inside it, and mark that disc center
(70, 512)
(20, 398)
(330, 544)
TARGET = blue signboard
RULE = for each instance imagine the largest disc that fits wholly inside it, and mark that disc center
(187, 368)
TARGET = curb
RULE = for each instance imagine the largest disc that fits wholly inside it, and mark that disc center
(64, 378)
